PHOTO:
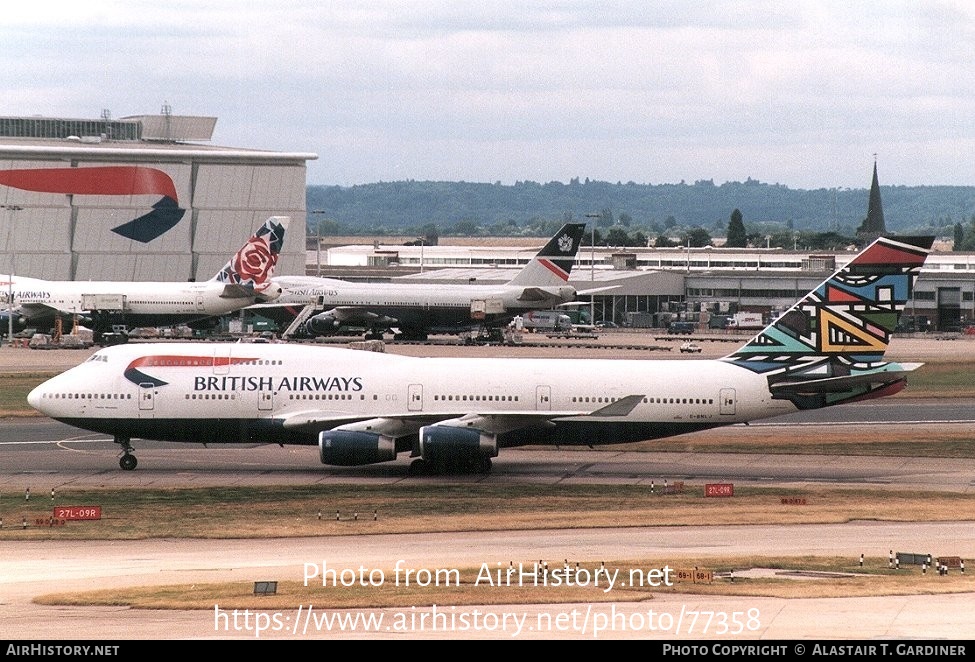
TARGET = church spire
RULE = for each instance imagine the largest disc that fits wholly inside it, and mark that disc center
(873, 225)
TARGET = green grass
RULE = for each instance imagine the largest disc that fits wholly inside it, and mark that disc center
(288, 511)
(955, 380)
(13, 392)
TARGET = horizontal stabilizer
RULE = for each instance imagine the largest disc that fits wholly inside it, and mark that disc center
(596, 290)
(842, 384)
(236, 291)
(537, 294)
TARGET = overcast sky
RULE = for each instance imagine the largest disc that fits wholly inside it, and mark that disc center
(797, 93)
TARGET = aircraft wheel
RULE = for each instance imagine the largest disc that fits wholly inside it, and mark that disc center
(128, 462)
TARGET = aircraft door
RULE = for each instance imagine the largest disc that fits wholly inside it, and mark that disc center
(414, 397)
(146, 397)
(200, 306)
(221, 358)
(727, 401)
(543, 398)
(265, 400)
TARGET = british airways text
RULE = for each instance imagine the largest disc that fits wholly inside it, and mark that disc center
(251, 383)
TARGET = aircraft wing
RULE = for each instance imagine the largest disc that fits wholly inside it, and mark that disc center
(496, 422)
(33, 311)
(354, 315)
(344, 314)
(397, 424)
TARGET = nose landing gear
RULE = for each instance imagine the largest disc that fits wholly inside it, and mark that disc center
(127, 461)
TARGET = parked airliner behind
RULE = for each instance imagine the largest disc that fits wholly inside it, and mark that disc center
(417, 309)
(364, 407)
(245, 279)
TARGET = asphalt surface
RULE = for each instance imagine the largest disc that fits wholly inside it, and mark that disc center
(50, 456)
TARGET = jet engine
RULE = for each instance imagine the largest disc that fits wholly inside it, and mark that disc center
(5, 316)
(451, 447)
(320, 325)
(349, 448)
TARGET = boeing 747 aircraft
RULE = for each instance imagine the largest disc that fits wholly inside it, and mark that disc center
(363, 407)
(418, 309)
(244, 280)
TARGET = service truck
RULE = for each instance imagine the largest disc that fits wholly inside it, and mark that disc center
(743, 321)
(546, 321)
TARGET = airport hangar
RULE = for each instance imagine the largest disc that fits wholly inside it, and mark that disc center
(139, 198)
(649, 286)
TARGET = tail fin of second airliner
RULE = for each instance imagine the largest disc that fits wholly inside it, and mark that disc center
(253, 265)
(552, 264)
(830, 346)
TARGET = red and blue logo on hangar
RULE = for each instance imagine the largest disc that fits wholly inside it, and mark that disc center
(109, 180)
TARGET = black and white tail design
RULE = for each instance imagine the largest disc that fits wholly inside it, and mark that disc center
(552, 265)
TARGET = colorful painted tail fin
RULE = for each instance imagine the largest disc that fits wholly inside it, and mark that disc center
(253, 265)
(829, 347)
(552, 264)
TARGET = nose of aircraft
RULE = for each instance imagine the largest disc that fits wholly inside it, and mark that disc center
(35, 397)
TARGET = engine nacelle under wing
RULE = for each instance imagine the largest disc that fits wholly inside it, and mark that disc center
(350, 448)
(322, 324)
(446, 444)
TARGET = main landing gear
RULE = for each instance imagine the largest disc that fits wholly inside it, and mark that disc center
(128, 461)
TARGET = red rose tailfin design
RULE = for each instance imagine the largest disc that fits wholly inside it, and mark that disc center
(249, 271)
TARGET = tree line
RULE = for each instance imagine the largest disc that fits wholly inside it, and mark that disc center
(630, 214)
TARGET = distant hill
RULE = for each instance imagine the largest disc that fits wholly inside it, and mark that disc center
(531, 208)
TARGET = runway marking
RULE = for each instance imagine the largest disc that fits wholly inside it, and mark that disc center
(958, 421)
(56, 441)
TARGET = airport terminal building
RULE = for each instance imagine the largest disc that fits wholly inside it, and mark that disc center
(650, 287)
(140, 198)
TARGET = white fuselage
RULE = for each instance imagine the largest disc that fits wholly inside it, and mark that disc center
(288, 393)
(135, 303)
(419, 305)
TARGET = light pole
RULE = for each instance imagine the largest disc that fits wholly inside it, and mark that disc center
(318, 243)
(592, 268)
(10, 277)
(10, 306)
